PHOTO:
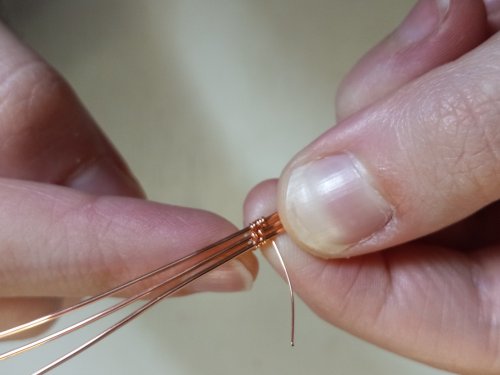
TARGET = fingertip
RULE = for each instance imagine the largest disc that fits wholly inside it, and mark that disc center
(330, 203)
(236, 276)
(434, 33)
(260, 201)
(250, 263)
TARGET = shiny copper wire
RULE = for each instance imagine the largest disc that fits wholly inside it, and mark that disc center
(290, 290)
(186, 270)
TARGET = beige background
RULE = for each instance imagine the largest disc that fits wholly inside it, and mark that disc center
(205, 99)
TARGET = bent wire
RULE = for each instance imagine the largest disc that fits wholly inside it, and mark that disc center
(185, 270)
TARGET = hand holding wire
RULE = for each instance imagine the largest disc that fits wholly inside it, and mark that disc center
(178, 274)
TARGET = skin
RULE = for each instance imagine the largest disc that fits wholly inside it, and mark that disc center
(73, 219)
(428, 285)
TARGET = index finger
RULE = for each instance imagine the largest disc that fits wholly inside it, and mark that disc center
(60, 242)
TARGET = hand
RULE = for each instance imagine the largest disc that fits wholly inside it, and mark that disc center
(406, 189)
(72, 219)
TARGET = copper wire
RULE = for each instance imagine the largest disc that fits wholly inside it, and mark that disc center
(185, 271)
(292, 294)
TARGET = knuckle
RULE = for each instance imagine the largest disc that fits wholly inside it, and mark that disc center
(466, 136)
(42, 120)
(30, 96)
(28, 91)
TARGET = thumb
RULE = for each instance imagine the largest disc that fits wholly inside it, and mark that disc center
(426, 157)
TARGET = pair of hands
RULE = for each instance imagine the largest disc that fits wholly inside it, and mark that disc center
(413, 165)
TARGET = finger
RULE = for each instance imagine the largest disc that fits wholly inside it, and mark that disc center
(20, 310)
(45, 133)
(429, 303)
(434, 33)
(415, 163)
(67, 243)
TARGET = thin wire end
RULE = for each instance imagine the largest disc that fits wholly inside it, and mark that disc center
(292, 294)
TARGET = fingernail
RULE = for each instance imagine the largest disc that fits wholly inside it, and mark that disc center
(231, 277)
(423, 20)
(104, 177)
(330, 204)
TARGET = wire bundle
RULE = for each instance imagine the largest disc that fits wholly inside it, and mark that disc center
(180, 273)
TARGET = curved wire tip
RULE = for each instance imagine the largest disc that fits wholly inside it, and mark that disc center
(292, 294)
(180, 273)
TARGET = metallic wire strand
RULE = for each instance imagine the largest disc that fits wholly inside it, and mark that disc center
(136, 313)
(113, 308)
(50, 317)
(211, 257)
(292, 294)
